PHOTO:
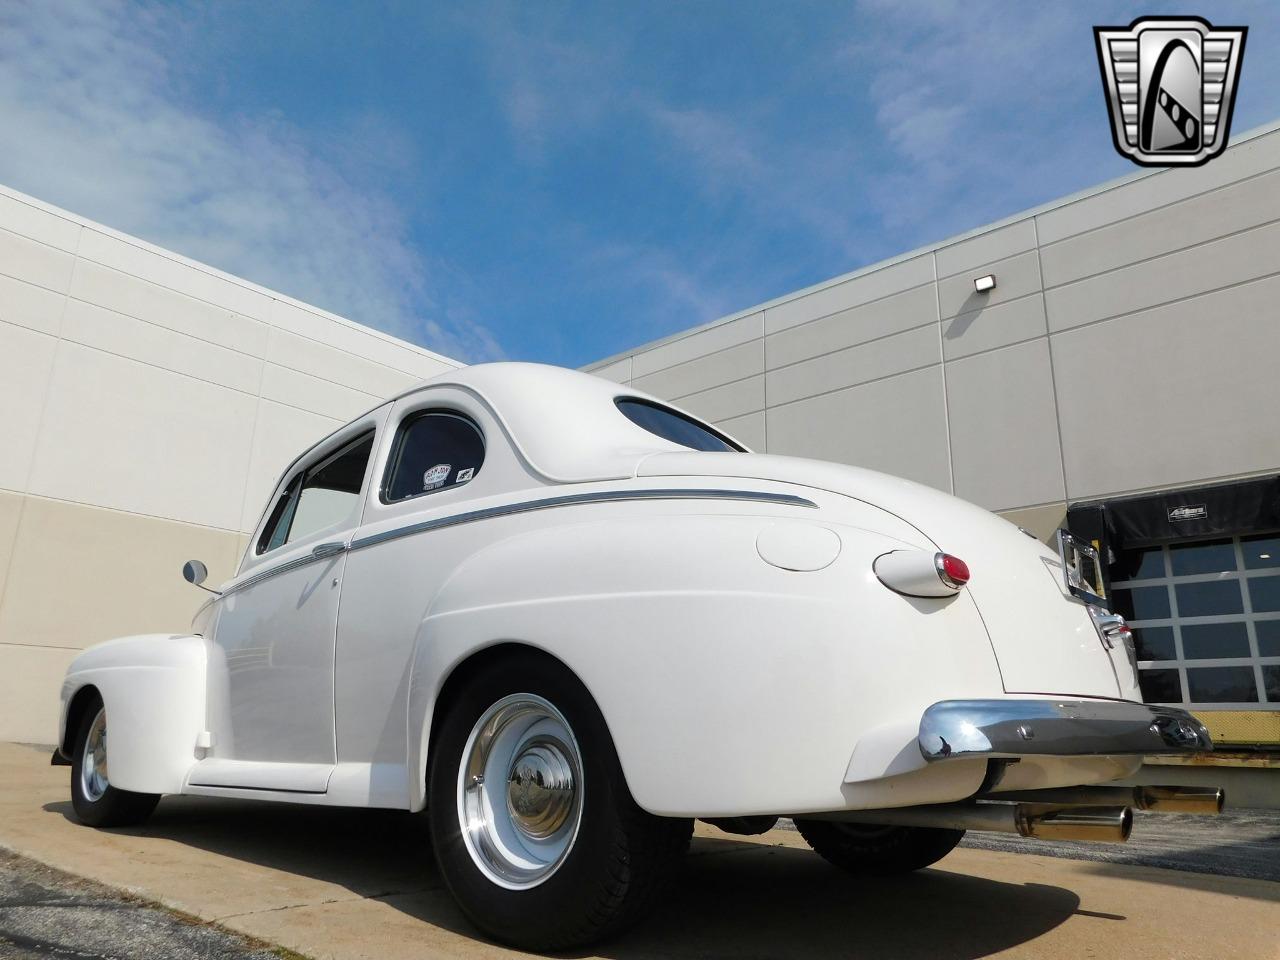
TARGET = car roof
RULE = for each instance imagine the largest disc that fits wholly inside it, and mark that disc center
(564, 422)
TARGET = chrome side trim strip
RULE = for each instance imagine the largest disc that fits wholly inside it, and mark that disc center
(604, 496)
(282, 568)
(1072, 728)
(524, 506)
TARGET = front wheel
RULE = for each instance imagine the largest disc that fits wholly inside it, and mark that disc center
(96, 802)
(534, 829)
(868, 849)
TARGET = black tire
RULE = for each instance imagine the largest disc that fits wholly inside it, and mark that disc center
(870, 850)
(114, 807)
(621, 859)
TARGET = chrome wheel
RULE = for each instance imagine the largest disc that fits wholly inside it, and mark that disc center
(520, 791)
(93, 764)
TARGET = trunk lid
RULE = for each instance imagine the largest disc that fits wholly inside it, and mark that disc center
(1044, 639)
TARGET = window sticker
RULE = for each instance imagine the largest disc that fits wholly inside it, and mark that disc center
(436, 476)
(465, 475)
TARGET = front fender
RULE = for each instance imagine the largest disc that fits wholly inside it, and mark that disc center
(153, 688)
(730, 686)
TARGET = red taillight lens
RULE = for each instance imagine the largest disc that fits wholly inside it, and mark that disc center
(953, 571)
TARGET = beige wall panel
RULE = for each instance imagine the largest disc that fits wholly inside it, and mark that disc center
(35, 262)
(727, 402)
(337, 366)
(1147, 191)
(1004, 437)
(343, 335)
(1016, 277)
(280, 434)
(618, 372)
(163, 307)
(309, 393)
(723, 366)
(26, 364)
(30, 680)
(848, 328)
(30, 221)
(1198, 394)
(121, 434)
(69, 587)
(1043, 521)
(1197, 220)
(699, 344)
(991, 327)
(125, 336)
(27, 305)
(10, 510)
(987, 247)
(841, 295)
(845, 368)
(748, 430)
(1235, 259)
(168, 270)
(895, 425)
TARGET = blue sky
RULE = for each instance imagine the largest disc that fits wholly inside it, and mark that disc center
(562, 181)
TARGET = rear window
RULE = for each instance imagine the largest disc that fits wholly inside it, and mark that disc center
(674, 426)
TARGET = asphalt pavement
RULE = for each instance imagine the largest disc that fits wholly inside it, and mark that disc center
(46, 913)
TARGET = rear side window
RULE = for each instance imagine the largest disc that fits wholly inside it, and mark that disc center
(434, 450)
(676, 427)
(319, 497)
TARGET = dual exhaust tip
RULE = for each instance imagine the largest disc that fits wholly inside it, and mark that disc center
(1093, 814)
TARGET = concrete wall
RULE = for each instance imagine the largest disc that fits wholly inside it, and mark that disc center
(1131, 343)
(149, 405)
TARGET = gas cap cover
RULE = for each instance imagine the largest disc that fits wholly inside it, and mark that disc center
(798, 546)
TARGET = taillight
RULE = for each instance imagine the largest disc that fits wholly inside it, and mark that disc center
(953, 571)
(915, 573)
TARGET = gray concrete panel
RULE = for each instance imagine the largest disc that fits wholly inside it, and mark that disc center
(713, 370)
(880, 318)
(884, 282)
(991, 327)
(987, 247)
(1004, 437)
(1171, 396)
(1176, 276)
(895, 425)
(869, 361)
(1015, 277)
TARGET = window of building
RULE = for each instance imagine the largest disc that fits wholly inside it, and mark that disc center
(1206, 620)
(320, 496)
(435, 450)
(674, 426)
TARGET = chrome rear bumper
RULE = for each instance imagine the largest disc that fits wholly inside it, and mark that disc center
(1067, 728)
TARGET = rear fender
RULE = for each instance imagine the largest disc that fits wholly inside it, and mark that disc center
(153, 688)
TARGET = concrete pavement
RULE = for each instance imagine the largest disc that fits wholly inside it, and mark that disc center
(360, 884)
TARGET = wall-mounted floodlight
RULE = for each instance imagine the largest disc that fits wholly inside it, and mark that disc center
(983, 284)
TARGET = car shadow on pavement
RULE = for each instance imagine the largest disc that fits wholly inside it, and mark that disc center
(733, 899)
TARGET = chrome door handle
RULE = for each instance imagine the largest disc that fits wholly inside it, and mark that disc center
(328, 549)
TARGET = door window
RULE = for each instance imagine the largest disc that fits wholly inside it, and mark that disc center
(323, 495)
(435, 450)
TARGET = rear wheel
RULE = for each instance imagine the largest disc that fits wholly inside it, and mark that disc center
(534, 829)
(96, 802)
(877, 850)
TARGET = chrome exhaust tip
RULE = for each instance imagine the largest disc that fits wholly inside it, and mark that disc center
(1208, 800)
(1094, 824)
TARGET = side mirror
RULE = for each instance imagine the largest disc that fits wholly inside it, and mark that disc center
(194, 572)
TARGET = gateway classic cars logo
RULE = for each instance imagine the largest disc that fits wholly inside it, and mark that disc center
(1170, 84)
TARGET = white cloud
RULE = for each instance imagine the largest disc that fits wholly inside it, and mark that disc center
(93, 119)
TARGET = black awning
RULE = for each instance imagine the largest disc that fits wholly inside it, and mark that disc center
(1217, 510)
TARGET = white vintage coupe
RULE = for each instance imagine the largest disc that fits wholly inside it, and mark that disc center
(566, 619)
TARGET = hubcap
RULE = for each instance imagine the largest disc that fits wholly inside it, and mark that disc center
(93, 765)
(520, 791)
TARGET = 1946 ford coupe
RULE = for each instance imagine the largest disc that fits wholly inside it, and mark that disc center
(565, 619)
